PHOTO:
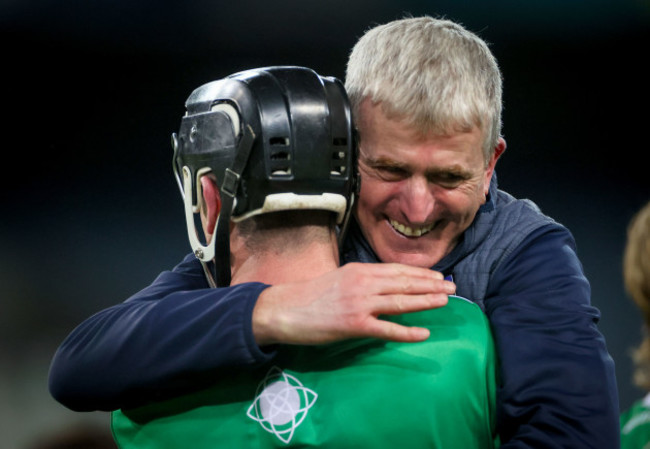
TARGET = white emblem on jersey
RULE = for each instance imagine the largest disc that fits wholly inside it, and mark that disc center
(281, 404)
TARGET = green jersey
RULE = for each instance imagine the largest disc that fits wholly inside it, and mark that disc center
(439, 393)
(635, 425)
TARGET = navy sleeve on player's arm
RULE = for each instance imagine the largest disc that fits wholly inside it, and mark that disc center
(558, 387)
(169, 338)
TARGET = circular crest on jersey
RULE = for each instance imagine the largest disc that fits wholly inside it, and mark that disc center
(276, 138)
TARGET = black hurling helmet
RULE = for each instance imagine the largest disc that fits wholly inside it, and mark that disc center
(276, 138)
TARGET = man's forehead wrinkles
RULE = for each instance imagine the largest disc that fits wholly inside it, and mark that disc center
(384, 160)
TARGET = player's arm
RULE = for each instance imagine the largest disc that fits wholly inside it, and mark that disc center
(558, 386)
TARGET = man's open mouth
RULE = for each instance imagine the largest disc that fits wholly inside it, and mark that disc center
(408, 231)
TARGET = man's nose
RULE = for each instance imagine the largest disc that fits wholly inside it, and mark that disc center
(417, 200)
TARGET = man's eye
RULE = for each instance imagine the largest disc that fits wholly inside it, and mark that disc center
(447, 180)
(395, 170)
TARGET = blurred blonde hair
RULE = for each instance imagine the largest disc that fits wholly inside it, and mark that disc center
(432, 74)
(636, 275)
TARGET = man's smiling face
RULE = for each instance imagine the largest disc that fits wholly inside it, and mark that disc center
(418, 193)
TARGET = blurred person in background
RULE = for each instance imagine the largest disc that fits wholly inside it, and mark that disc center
(635, 421)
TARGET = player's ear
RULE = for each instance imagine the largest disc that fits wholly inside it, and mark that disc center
(211, 204)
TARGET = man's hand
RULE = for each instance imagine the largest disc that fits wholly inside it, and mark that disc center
(346, 302)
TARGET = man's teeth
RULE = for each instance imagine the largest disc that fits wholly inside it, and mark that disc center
(409, 232)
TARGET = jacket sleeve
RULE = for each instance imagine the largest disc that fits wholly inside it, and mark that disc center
(558, 387)
(169, 338)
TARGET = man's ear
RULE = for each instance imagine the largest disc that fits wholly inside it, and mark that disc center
(498, 151)
(211, 205)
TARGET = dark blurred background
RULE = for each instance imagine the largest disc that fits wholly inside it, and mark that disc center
(92, 90)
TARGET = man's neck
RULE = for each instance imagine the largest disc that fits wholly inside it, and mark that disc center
(289, 265)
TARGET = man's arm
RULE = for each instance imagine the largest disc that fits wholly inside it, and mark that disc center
(173, 336)
(168, 337)
(558, 386)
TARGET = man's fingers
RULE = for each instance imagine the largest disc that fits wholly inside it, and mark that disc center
(399, 304)
(397, 278)
(395, 269)
(410, 286)
(390, 331)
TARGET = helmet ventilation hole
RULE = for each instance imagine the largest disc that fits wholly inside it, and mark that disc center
(280, 158)
(283, 141)
(339, 156)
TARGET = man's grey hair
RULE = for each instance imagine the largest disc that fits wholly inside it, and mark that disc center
(434, 75)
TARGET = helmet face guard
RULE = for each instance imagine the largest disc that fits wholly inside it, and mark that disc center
(275, 138)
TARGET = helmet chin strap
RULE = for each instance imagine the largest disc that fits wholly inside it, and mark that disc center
(205, 253)
(343, 227)
(217, 271)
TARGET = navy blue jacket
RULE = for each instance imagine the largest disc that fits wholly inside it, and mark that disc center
(557, 386)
